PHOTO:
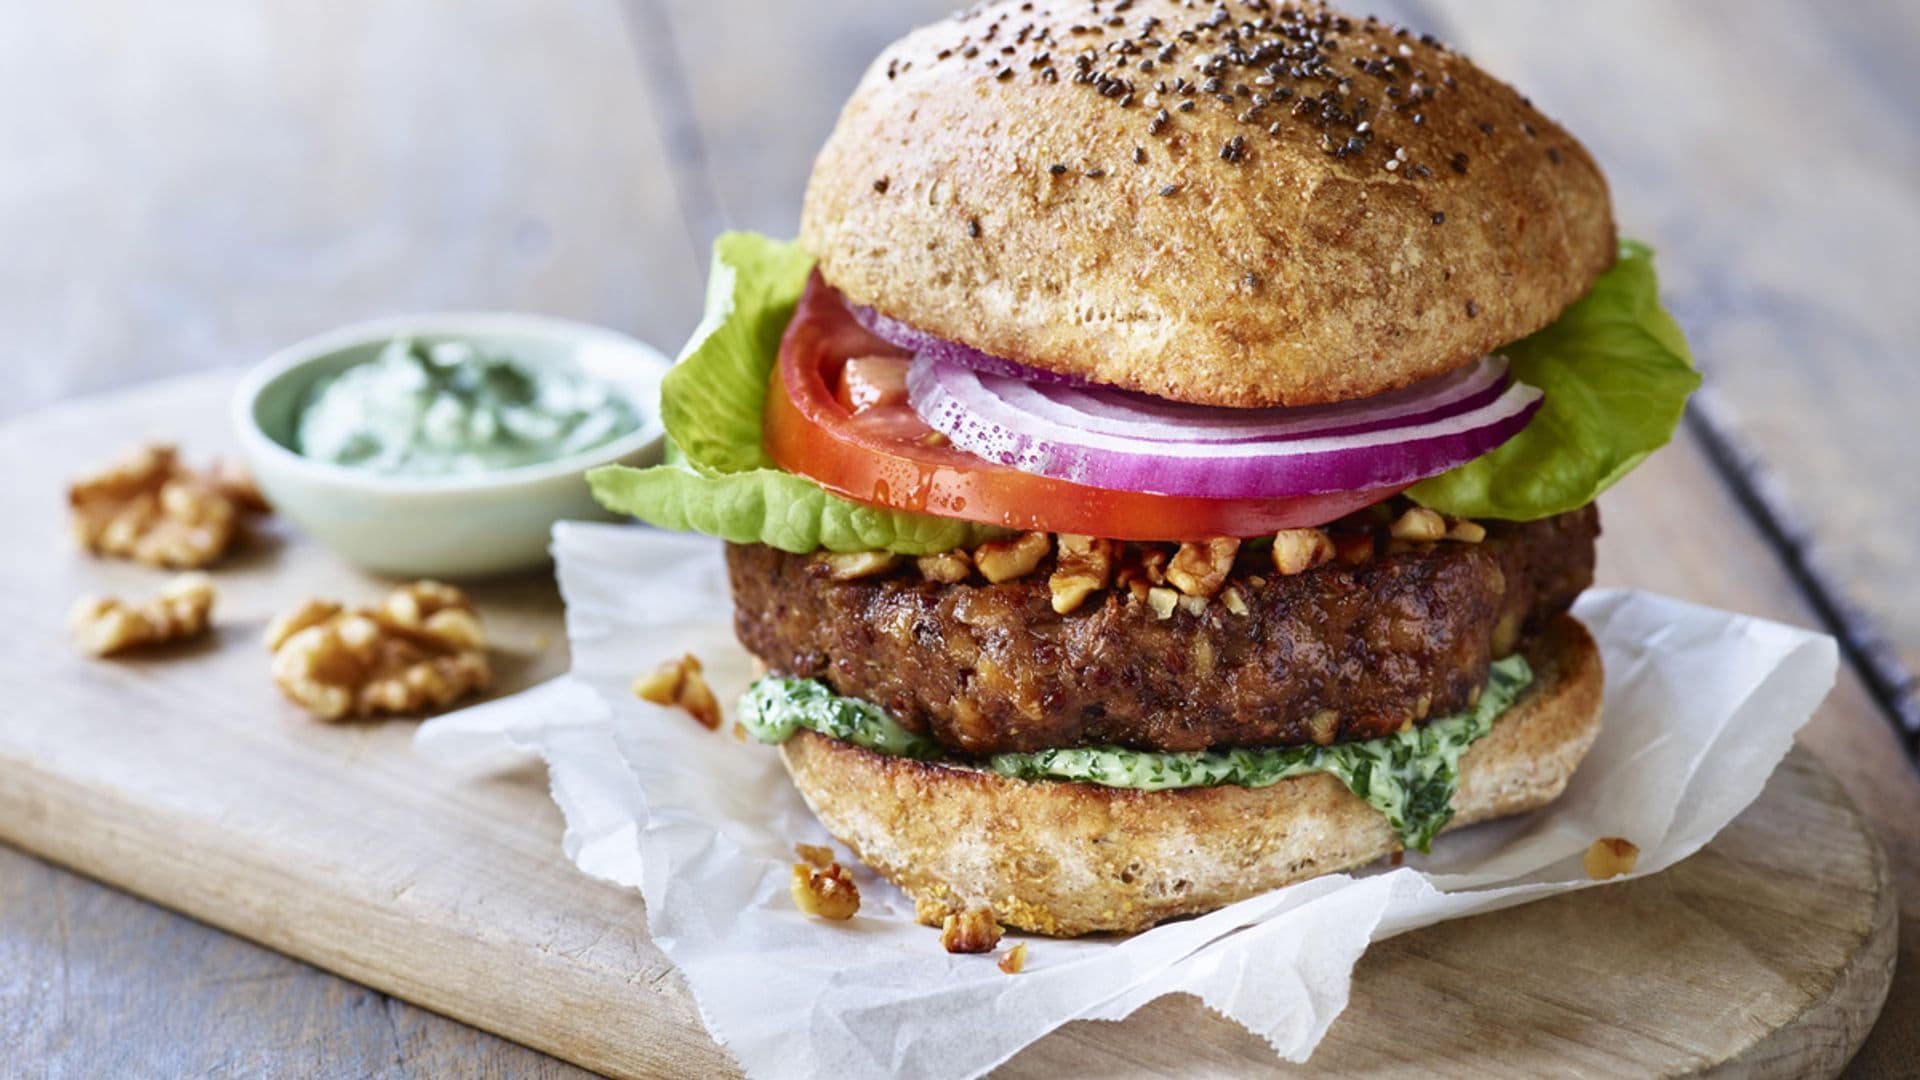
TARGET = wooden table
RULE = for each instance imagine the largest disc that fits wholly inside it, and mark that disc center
(188, 188)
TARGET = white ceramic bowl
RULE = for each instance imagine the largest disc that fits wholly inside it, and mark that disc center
(444, 527)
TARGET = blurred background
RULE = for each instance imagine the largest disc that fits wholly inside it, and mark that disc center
(191, 185)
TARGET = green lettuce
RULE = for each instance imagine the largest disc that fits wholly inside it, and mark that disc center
(1617, 373)
(718, 478)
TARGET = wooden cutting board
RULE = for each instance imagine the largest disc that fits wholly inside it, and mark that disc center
(184, 777)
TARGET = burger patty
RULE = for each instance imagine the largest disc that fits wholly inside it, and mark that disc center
(1338, 652)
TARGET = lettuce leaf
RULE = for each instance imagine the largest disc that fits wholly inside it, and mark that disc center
(719, 478)
(1617, 374)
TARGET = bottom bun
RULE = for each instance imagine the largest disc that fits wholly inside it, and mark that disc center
(1063, 858)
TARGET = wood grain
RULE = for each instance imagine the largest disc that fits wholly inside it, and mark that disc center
(182, 776)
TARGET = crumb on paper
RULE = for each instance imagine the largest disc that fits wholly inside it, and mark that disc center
(106, 625)
(149, 508)
(1014, 960)
(974, 930)
(681, 684)
(422, 648)
(1610, 857)
(816, 855)
(826, 893)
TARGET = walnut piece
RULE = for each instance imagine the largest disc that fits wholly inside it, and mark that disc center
(1083, 567)
(1610, 857)
(149, 508)
(947, 568)
(104, 625)
(1466, 532)
(1014, 960)
(1296, 551)
(974, 930)
(852, 565)
(422, 648)
(1200, 569)
(1163, 601)
(826, 893)
(1004, 560)
(681, 684)
(1418, 524)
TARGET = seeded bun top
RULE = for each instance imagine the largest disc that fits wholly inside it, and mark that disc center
(1244, 205)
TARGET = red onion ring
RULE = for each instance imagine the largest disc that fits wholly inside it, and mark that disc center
(917, 341)
(1107, 438)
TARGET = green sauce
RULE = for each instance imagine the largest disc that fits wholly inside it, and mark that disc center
(1409, 776)
(445, 408)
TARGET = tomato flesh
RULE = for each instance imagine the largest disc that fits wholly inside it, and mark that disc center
(834, 416)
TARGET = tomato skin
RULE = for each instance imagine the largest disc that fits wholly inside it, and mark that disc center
(885, 455)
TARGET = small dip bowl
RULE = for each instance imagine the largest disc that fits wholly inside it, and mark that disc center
(462, 526)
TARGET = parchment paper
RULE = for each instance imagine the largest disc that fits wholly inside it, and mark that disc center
(1701, 706)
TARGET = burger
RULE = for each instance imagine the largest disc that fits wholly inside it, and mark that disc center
(1163, 466)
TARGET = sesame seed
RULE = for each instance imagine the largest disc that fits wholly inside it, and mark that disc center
(1139, 155)
(1439, 217)
(973, 227)
(1169, 190)
(1057, 169)
(880, 185)
(1473, 310)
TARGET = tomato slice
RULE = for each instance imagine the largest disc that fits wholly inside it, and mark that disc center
(870, 381)
(832, 418)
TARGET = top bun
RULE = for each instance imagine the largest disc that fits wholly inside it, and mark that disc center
(1245, 205)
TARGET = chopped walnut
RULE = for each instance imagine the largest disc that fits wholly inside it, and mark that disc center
(816, 855)
(104, 625)
(1141, 568)
(826, 893)
(1004, 560)
(1299, 550)
(1418, 524)
(422, 648)
(1235, 601)
(947, 568)
(1014, 960)
(149, 508)
(1200, 569)
(972, 931)
(1610, 857)
(681, 684)
(1163, 600)
(852, 565)
(1466, 532)
(1084, 566)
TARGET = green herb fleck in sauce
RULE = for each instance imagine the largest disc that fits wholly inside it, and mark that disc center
(446, 408)
(1409, 776)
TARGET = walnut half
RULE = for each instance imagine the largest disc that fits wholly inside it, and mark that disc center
(422, 648)
(149, 508)
(104, 625)
(826, 893)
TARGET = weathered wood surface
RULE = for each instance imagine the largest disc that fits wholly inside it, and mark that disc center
(183, 776)
(190, 187)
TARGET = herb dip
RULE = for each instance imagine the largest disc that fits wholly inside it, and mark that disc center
(1409, 776)
(446, 408)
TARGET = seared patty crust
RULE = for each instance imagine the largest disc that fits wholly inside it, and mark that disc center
(1339, 652)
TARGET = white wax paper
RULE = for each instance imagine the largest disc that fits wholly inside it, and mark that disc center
(1701, 705)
